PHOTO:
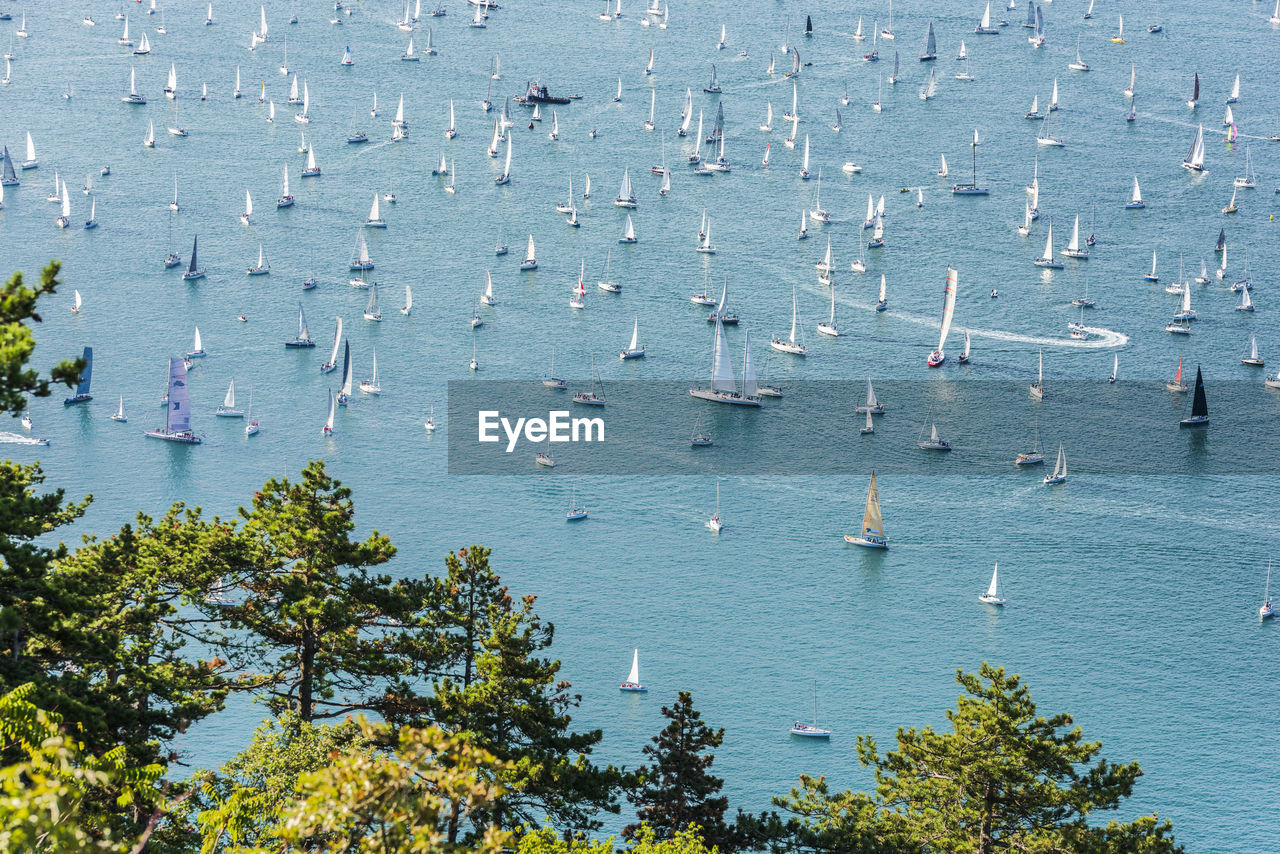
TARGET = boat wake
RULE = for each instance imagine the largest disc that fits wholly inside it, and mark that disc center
(1103, 339)
(19, 439)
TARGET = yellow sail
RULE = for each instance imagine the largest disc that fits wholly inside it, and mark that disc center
(871, 521)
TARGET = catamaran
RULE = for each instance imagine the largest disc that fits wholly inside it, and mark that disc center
(177, 427)
(938, 356)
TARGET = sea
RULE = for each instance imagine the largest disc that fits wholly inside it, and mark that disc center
(1132, 596)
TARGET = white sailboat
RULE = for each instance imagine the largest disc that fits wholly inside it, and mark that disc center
(248, 207)
(792, 344)
(828, 327)
(1194, 161)
(263, 267)
(633, 350)
(375, 219)
(715, 525)
(805, 730)
(632, 683)
(1074, 249)
(228, 408)
(873, 535)
(1059, 473)
(371, 310)
(1135, 200)
(1047, 260)
(119, 414)
(992, 596)
(372, 385)
(530, 261)
(1037, 387)
(505, 177)
(938, 356)
(724, 386)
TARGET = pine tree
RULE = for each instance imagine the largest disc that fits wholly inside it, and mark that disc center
(498, 691)
(316, 626)
(677, 790)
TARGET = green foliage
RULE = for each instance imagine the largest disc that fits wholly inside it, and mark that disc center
(677, 790)
(546, 841)
(1004, 778)
(314, 623)
(401, 802)
(44, 788)
(17, 342)
(501, 694)
(242, 805)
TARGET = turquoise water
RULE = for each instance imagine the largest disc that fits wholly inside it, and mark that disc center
(1132, 599)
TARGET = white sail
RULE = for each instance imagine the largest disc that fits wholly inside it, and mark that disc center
(1137, 193)
(529, 257)
(1074, 245)
(337, 342)
(1048, 244)
(328, 422)
(633, 678)
(197, 345)
(248, 204)
(284, 183)
(993, 591)
(721, 368)
(948, 307)
(229, 402)
(375, 210)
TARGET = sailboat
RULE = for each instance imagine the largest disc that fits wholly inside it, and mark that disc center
(303, 117)
(627, 199)
(1045, 138)
(89, 224)
(285, 200)
(1266, 610)
(934, 442)
(984, 26)
(992, 596)
(1253, 359)
(228, 408)
(505, 177)
(133, 97)
(1248, 180)
(1199, 405)
(930, 51)
(828, 327)
(1078, 64)
(887, 32)
(1074, 250)
(632, 683)
(633, 350)
(590, 397)
(371, 310)
(1047, 260)
(371, 385)
(64, 218)
(1037, 387)
(177, 424)
(194, 271)
(1135, 200)
(811, 730)
(144, 46)
(715, 525)
(82, 394)
(248, 207)
(332, 363)
(881, 302)
(263, 267)
(197, 346)
(930, 88)
(724, 386)
(375, 219)
(938, 356)
(327, 429)
(791, 344)
(303, 339)
(872, 535)
(972, 188)
(1177, 384)
(311, 170)
(1194, 161)
(360, 259)
(1195, 92)
(530, 261)
(119, 414)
